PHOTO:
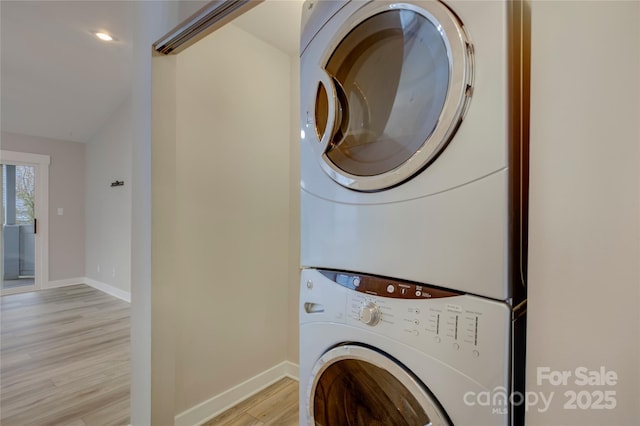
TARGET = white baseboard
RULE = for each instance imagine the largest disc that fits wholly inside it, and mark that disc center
(109, 289)
(64, 283)
(291, 370)
(207, 410)
(106, 288)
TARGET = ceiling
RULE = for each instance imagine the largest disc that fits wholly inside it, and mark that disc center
(59, 81)
(275, 21)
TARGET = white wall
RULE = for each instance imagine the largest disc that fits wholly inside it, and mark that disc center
(66, 191)
(584, 230)
(108, 209)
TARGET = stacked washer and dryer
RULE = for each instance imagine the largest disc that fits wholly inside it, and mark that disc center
(413, 212)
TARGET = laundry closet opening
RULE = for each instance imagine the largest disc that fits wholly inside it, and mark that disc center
(225, 210)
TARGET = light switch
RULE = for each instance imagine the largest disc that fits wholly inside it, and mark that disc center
(60, 211)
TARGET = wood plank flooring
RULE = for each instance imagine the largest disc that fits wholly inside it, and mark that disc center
(64, 358)
(275, 405)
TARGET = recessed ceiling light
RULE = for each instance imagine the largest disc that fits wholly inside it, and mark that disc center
(104, 36)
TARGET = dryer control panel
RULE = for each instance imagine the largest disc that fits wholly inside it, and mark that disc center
(467, 332)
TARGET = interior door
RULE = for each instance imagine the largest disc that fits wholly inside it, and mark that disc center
(392, 92)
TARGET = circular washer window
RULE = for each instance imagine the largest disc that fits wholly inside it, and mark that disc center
(356, 385)
(401, 79)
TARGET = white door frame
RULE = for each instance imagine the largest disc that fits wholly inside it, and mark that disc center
(41, 164)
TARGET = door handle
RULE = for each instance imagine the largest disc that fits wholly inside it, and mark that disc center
(341, 125)
(332, 106)
(35, 225)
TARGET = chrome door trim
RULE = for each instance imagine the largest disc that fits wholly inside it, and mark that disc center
(209, 18)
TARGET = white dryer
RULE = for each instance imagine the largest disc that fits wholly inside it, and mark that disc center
(412, 149)
(375, 351)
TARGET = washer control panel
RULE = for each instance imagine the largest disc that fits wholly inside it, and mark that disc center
(386, 287)
(448, 322)
(459, 329)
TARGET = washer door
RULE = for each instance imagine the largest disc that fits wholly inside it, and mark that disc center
(391, 92)
(356, 386)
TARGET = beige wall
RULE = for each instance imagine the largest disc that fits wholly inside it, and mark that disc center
(153, 19)
(222, 260)
(165, 291)
(232, 235)
(66, 191)
(584, 229)
(108, 209)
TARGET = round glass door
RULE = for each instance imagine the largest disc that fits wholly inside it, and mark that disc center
(355, 385)
(400, 78)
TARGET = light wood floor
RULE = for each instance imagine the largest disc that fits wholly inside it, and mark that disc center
(64, 358)
(275, 405)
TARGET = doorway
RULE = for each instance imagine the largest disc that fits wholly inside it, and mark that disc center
(24, 221)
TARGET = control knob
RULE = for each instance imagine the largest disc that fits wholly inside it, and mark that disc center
(370, 314)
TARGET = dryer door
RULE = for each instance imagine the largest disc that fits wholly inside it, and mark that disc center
(396, 81)
(356, 385)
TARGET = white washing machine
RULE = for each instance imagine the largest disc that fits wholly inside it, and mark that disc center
(413, 154)
(376, 351)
